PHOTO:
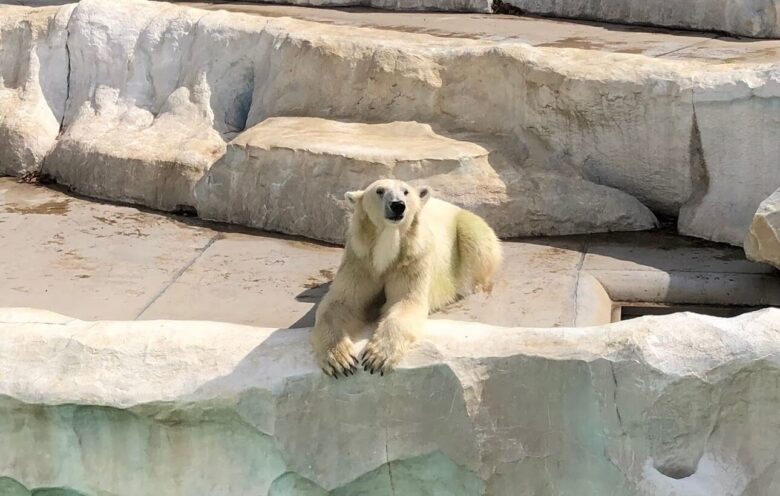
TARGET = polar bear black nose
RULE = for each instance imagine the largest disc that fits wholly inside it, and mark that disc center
(397, 207)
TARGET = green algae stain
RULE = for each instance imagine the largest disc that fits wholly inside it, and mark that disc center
(10, 487)
(429, 475)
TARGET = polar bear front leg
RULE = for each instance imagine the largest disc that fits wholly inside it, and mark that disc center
(341, 314)
(402, 322)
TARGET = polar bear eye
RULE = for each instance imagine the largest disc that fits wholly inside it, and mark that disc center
(406, 192)
(380, 191)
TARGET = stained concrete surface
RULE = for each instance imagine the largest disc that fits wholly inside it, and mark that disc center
(93, 260)
(537, 31)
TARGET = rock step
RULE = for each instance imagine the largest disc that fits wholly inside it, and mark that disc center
(675, 132)
(289, 174)
(753, 18)
(471, 410)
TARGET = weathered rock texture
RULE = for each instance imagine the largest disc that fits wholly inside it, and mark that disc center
(157, 93)
(314, 161)
(756, 18)
(682, 404)
(762, 242)
(33, 84)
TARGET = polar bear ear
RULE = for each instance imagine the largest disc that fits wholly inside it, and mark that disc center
(424, 192)
(353, 196)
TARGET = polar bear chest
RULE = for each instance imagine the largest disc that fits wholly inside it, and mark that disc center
(386, 249)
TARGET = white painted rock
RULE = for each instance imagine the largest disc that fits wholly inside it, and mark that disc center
(134, 133)
(156, 92)
(734, 168)
(681, 404)
(33, 84)
(756, 18)
(762, 242)
(289, 174)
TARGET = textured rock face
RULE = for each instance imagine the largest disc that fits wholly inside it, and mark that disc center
(682, 404)
(726, 197)
(313, 160)
(762, 242)
(33, 84)
(756, 18)
(143, 131)
(157, 92)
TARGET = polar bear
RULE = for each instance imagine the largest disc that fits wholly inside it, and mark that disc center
(413, 252)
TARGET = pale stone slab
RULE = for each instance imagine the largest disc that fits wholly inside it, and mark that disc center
(86, 259)
(68, 253)
(102, 261)
(668, 269)
(142, 126)
(681, 404)
(251, 280)
(33, 84)
(762, 242)
(290, 174)
(726, 196)
(755, 18)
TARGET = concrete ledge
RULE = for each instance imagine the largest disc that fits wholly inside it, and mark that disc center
(682, 404)
(755, 18)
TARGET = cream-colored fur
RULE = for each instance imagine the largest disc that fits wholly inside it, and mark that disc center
(436, 253)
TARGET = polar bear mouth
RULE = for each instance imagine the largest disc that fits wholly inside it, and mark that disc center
(394, 217)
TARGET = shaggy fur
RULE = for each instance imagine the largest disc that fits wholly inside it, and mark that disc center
(437, 253)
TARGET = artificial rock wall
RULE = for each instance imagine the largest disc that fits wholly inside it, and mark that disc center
(156, 104)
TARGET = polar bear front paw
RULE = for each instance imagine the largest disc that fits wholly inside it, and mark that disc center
(382, 354)
(338, 358)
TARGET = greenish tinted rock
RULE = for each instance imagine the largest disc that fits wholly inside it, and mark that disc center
(56, 491)
(10, 487)
(291, 484)
(429, 475)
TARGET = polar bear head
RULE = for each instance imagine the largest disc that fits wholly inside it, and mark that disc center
(389, 202)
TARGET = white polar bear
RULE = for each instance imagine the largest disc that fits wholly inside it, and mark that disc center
(416, 253)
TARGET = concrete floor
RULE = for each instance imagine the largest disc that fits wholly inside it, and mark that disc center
(95, 260)
(563, 33)
(652, 42)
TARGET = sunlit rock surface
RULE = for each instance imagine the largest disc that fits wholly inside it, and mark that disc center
(146, 98)
(682, 404)
(33, 84)
(756, 18)
(762, 242)
(289, 175)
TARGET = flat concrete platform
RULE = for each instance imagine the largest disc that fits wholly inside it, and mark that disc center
(93, 260)
(536, 31)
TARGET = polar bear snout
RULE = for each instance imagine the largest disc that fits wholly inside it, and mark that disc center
(395, 210)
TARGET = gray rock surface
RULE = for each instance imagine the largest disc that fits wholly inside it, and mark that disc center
(762, 242)
(756, 18)
(682, 404)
